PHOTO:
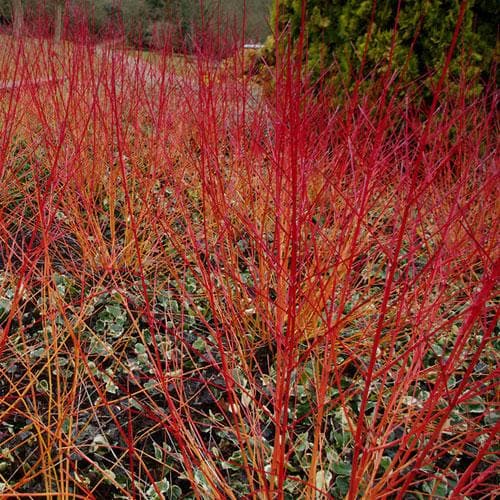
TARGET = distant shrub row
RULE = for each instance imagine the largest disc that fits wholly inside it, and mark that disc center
(146, 23)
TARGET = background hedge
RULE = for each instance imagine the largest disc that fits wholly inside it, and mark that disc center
(146, 22)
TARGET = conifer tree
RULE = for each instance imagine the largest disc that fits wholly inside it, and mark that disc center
(412, 36)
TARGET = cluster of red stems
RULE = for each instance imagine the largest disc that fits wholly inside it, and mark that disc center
(351, 236)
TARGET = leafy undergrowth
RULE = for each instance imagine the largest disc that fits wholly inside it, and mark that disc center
(209, 293)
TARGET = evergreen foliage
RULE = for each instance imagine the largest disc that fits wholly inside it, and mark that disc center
(337, 32)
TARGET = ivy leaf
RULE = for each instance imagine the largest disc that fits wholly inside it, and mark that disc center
(342, 469)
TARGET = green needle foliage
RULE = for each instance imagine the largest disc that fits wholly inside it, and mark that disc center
(411, 37)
